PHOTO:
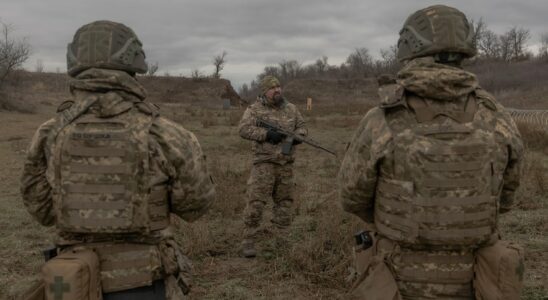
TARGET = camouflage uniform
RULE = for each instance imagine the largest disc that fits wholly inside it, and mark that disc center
(174, 168)
(272, 172)
(417, 199)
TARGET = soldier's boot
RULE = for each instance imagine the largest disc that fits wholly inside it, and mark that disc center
(248, 248)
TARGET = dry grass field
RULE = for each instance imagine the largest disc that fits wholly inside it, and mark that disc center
(308, 261)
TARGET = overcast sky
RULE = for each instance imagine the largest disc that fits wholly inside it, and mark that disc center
(183, 35)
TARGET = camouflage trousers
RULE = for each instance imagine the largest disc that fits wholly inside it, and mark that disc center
(269, 181)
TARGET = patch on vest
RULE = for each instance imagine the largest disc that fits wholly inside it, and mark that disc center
(391, 95)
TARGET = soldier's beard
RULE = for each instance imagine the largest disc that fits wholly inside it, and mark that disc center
(277, 99)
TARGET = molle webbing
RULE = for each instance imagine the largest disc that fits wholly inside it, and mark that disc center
(96, 151)
(99, 169)
(407, 225)
(126, 266)
(426, 112)
(443, 272)
(440, 194)
(158, 209)
(103, 177)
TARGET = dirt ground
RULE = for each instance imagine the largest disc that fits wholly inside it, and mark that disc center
(308, 261)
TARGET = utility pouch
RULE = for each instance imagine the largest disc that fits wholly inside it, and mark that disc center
(73, 275)
(375, 280)
(177, 264)
(377, 283)
(498, 271)
(127, 266)
(287, 144)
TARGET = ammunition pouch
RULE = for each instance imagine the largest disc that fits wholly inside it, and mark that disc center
(375, 280)
(498, 271)
(72, 275)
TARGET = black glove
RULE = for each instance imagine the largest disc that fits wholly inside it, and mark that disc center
(274, 137)
(297, 142)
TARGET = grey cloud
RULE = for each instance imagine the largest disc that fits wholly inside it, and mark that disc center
(185, 35)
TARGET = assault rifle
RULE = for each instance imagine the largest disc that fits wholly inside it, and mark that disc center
(290, 137)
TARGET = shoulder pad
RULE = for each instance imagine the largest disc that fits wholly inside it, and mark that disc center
(486, 99)
(391, 95)
(148, 108)
(65, 105)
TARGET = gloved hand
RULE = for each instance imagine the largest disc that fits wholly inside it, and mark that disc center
(274, 137)
(296, 142)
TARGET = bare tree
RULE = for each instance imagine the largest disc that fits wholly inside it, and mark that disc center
(360, 62)
(513, 44)
(389, 60)
(39, 68)
(244, 91)
(321, 64)
(479, 28)
(270, 70)
(219, 62)
(518, 41)
(152, 69)
(489, 45)
(197, 75)
(13, 52)
(543, 49)
(289, 69)
(505, 50)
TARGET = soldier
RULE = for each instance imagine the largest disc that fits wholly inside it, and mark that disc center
(107, 171)
(429, 170)
(272, 171)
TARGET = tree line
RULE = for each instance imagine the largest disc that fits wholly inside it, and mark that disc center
(508, 47)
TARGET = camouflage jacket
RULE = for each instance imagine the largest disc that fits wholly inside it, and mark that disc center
(370, 154)
(176, 158)
(287, 116)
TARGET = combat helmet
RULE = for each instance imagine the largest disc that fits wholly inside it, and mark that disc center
(433, 30)
(107, 45)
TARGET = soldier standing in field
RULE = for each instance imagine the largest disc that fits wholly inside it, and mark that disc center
(272, 171)
(107, 171)
(430, 170)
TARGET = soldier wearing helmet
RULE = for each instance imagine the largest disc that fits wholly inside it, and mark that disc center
(430, 170)
(108, 171)
(272, 171)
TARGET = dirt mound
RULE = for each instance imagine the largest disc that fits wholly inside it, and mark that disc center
(187, 90)
(331, 90)
(53, 88)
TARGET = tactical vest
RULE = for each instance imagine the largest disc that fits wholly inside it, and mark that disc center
(102, 176)
(440, 195)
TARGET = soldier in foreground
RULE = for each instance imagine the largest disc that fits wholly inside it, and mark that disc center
(430, 170)
(272, 171)
(107, 171)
